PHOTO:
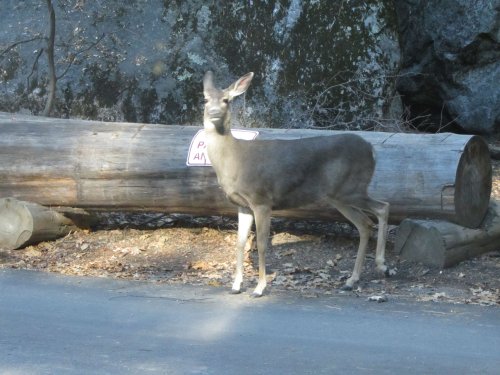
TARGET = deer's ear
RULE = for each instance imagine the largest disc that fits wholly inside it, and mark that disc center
(240, 86)
(208, 81)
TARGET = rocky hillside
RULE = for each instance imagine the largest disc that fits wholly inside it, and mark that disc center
(318, 63)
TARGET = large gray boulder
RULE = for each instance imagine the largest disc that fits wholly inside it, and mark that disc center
(451, 63)
(317, 63)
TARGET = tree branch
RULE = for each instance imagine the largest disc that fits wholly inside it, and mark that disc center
(73, 57)
(50, 56)
(15, 44)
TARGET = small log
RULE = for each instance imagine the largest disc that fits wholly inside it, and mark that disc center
(142, 167)
(25, 223)
(444, 244)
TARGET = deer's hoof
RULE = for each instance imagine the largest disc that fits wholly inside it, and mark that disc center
(235, 291)
(256, 295)
(346, 288)
(390, 272)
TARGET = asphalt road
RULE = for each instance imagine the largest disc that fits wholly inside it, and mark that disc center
(51, 324)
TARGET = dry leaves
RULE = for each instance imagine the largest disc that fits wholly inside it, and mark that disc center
(315, 263)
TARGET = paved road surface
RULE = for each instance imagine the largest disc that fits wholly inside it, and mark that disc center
(51, 324)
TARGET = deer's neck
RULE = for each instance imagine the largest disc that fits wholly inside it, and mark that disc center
(219, 147)
(219, 140)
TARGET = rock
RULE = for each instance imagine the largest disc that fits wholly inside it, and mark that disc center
(379, 299)
(451, 63)
(317, 63)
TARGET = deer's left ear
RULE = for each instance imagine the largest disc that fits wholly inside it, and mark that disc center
(240, 86)
(208, 81)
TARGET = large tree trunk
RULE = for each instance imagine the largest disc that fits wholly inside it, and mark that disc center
(122, 166)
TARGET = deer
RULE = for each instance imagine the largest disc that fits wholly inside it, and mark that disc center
(260, 176)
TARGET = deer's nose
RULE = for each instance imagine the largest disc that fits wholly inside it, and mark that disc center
(214, 112)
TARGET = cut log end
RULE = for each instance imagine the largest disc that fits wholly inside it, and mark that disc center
(473, 183)
(16, 224)
(24, 223)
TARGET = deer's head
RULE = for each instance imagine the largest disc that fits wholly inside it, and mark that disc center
(217, 114)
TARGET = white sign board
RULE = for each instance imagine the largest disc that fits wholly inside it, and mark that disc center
(197, 155)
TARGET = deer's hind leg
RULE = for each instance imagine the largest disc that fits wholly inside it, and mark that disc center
(363, 224)
(381, 210)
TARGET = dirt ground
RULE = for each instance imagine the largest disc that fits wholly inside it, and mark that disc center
(309, 258)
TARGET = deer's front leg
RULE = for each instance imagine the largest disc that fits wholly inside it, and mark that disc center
(262, 222)
(245, 220)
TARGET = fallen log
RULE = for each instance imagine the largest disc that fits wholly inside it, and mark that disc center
(443, 244)
(26, 223)
(142, 167)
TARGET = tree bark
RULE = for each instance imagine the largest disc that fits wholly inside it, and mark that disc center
(51, 91)
(142, 167)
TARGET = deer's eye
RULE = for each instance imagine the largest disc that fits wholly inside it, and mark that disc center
(225, 100)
